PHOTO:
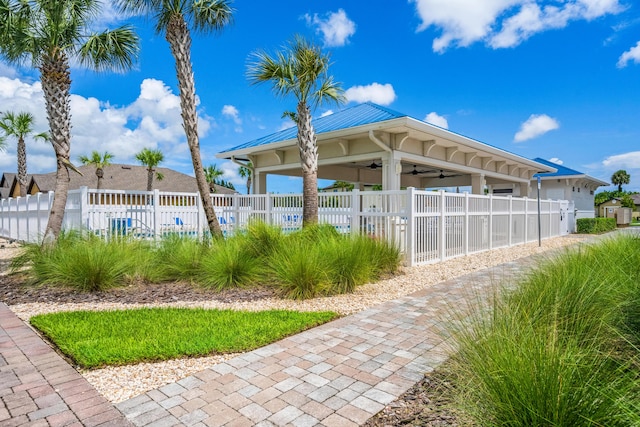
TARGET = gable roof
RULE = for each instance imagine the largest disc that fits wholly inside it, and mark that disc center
(565, 172)
(121, 177)
(361, 114)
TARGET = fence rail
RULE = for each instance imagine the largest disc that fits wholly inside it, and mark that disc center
(427, 226)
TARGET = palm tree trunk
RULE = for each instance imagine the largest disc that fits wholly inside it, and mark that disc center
(180, 42)
(56, 85)
(309, 161)
(150, 173)
(249, 184)
(22, 166)
(100, 175)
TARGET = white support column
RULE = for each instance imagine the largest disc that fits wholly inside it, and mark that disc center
(259, 182)
(391, 170)
(477, 183)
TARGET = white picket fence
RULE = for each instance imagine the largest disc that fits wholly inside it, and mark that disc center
(427, 226)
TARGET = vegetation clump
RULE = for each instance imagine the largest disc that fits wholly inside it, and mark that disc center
(595, 225)
(315, 261)
(561, 349)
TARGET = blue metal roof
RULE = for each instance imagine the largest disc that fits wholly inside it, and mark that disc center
(562, 170)
(362, 114)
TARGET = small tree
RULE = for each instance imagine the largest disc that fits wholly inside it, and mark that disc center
(301, 70)
(151, 159)
(619, 178)
(100, 161)
(246, 172)
(212, 174)
(20, 126)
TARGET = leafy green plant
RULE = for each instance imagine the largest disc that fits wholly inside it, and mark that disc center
(98, 338)
(261, 239)
(595, 225)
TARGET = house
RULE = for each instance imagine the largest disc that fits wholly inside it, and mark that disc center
(369, 144)
(608, 209)
(116, 177)
(564, 184)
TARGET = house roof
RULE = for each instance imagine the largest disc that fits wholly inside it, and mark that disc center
(121, 177)
(362, 114)
(565, 172)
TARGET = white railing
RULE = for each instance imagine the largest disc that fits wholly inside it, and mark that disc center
(426, 226)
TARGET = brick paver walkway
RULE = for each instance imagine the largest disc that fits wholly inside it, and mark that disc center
(338, 374)
(39, 388)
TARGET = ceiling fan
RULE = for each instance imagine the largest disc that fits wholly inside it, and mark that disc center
(443, 176)
(415, 171)
(374, 165)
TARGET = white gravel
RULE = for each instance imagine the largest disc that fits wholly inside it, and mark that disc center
(121, 383)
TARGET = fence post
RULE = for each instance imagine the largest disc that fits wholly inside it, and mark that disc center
(466, 224)
(410, 243)
(442, 229)
(355, 211)
(490, 221)
(526, 220)
(84, 210)
(156, 213)
(268, 202)
(510, 232)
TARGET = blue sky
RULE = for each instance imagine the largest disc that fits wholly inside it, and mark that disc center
(553, 79)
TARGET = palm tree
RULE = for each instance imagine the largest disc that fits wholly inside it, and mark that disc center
(100, 161)
(247, 173)
(301, 70)
(151, 159)
(212, 174)
(177, 18)
(49, 35)
(20, 126)
(620, 177)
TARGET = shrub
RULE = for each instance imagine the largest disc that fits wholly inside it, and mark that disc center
(83, 261)
(229, 264)
(559, 350)
(261, 239)
(299, 270)
(177, 258)
(595, 225)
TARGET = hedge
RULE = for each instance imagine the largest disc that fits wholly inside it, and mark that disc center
(596, 225)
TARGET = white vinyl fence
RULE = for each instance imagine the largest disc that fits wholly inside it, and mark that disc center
(427, 226)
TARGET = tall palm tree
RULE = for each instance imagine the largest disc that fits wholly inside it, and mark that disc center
(301, 70)
(48, 35)
(212, 174)
(619, 178)
(247, 173)
(176, 19)
(100, 161)
(151, 159)
(20, 126)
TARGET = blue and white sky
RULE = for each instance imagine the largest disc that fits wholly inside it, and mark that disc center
(553, 79)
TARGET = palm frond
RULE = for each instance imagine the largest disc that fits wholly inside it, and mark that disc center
(210, 15)
(111, 50)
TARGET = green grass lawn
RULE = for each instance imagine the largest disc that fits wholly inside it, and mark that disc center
(98, 338)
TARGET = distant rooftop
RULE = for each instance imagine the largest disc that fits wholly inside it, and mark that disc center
(563, 172)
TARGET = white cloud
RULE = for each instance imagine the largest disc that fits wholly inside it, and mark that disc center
(152, 120)
(503, 23)
(629, 160)
(556, 160)
(233, 113)
(336, 27)
(632, 54)
(535, 126)
(436, 119)
(375, 92)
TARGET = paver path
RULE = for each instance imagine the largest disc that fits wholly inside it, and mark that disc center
(337, 374)
(39, 388)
